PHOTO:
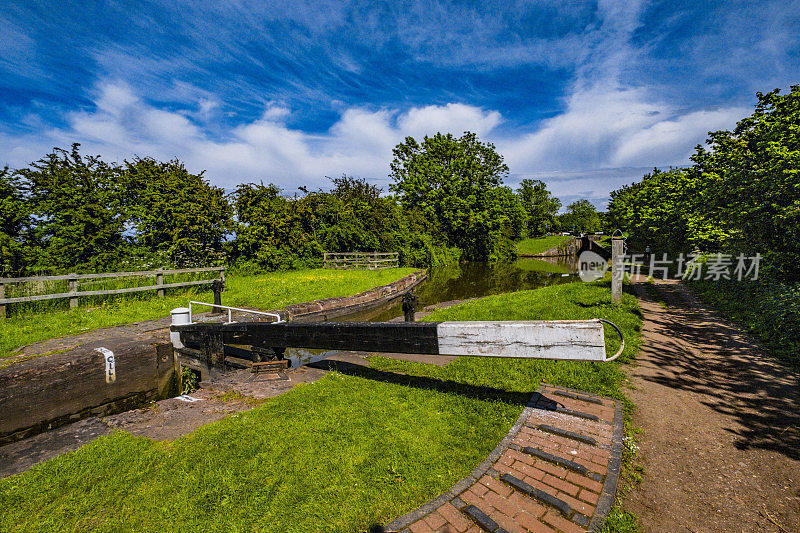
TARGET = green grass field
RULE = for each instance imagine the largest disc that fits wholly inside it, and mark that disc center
(342, 454)
(531, 264)
(537, 246)
(268, 291)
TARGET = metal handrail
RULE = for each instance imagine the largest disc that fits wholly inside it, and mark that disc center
(621, 338)
(230, 311)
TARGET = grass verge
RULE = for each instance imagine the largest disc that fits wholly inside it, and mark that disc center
(342, 454)
(268, 291)
(537, 246)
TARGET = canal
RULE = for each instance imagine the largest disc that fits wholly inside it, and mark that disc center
(461, 282)
(476, 280)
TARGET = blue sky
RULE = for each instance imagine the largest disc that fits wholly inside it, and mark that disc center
(585, 95)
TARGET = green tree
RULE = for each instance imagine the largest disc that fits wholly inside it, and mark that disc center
(75, 203)
(741, 195)
(751, 183)
(177, 217)
(15, 223)
(660, 211)
(541, 207)
(454, 182)
(582, 215)
(272, 231)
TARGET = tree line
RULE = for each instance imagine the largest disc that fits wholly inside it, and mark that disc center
(741, 195)
(73, 212)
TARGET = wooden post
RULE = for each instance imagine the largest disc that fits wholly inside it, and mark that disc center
(160, 281)
(617, 269)
(217, 286)
(409, 305)
(2, 295)
(73, 288)
(212, 349)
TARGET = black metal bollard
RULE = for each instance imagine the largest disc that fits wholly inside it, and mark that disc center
(409, 305)
(217, 286)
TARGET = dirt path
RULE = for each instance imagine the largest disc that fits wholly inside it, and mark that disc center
(720, 444)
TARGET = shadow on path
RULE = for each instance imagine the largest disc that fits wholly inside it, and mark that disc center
(719, 419)
(729, 372)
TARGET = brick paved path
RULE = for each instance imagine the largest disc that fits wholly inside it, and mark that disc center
(556, 470)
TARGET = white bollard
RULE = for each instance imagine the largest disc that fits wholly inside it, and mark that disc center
(180, 316)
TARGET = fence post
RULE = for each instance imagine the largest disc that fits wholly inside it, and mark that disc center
(217, 286)
(160, 281)
(73, 288)
(2, 295)
(616, 269)
(222, 275)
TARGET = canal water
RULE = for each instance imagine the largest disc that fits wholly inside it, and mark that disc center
(461, 282)
(475, 280)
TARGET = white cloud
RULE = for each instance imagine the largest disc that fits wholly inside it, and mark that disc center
(603, 127)
(123, 125)
(611, 126)
(452, 118)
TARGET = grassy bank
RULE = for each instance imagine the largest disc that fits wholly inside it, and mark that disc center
(769, 311)
(357, 448)
(538, 265)
(268, 291)
(537, 246)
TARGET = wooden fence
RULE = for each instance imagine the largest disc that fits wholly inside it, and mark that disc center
(368, 260)
(74, 280)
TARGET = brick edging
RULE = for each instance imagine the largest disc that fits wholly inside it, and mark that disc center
(399, 523)
(606, 500)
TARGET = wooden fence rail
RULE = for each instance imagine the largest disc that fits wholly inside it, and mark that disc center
(368, 260)
(74, 280)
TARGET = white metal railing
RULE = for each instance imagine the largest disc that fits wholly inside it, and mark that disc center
(230, 311)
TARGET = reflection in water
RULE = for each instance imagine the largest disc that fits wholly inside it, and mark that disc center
(473, 280)
(460, 282)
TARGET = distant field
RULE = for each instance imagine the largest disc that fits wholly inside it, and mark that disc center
(537, 246)
(268, 291)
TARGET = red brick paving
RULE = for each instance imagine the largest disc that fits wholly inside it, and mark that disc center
(515, 511)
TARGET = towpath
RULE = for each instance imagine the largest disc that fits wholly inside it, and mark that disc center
(720, 420)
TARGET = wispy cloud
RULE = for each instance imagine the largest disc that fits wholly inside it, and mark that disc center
(291, 91)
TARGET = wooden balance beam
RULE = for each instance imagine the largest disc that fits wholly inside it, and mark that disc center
(577, 340)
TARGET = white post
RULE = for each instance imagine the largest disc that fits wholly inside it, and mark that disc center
(180, 316)
(616, 269)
